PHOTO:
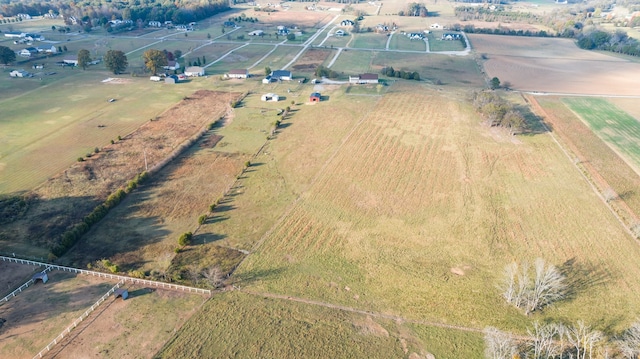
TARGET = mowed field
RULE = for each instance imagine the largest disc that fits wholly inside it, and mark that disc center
(414, 212)
(555, 66)
(617, 128)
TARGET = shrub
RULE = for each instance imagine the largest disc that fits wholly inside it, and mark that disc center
(80, 159)
(202, 219)
(185, 239)
(119, 138)
(113, 142)
(96, 150)
(212, 207)
(247, 164)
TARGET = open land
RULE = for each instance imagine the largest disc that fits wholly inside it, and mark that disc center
(555, 66)
(375, 223)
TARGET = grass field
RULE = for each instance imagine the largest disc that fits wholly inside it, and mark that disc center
(402, 42)
(244, 325)
(369, 41)
(437, 44)
(354, 62)
(617, 128)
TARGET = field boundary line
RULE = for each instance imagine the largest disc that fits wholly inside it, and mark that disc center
(581, 169)
(22, 287)
(78, 321)
(161, 285)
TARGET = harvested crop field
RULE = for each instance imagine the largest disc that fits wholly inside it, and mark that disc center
(67, 197)
(310, 60)
(41, 312)
(555, 66)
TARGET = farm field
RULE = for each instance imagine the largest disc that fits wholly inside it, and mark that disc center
(592, 151)
(402, 42)
(242, 58)
(360, 235)
(437, 44)
(614, 126)
(354, 61)
(369, 41)
(246, 325)
(42, 311)
(555, 66)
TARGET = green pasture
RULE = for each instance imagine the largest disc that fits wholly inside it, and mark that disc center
(45, 136)
(337, 41)
(437, 69)
(355, 61)
(324, 33)
(242, 58)
(211, 52)
(402, 42)
(613, 125)
(280, 57)
(369, 40)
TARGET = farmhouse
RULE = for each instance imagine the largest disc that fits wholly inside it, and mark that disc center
(270, 97)
(238, 74)
(172, 65)
(28, 52)
(364, 79)
(256, 33)
(282, 75)
(194, 71)
(382, 28)
(19, 73)
(48, 50)
(33, 37)
(340, 33)
(347, 23)
(315, 97)
(155, 24)
(415, 36)
(451, 36)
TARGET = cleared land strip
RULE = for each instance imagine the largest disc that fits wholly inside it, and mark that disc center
(162, 285)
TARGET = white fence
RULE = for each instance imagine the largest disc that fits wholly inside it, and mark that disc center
(162, 285)
(77, 321)
(21, 288)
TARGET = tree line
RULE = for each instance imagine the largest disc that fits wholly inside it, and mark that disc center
(101, 11)
(496, 111)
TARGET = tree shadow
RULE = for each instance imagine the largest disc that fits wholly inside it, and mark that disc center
(580, 277)
(140, 292)
(255, 275)
(206, 238)
(533, 124)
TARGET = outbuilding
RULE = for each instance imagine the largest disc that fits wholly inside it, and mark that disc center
(238, 74)
(42, 276)
(121, 292)
(282, 75)
(172, 79)
(194, 71)
(315, 97)
(270, 97)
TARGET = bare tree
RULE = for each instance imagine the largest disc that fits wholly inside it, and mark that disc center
(547, 341)
(499, 345)
(194, 273)
(629, 344)
(214, 276)
(583, 340)
(531, 293)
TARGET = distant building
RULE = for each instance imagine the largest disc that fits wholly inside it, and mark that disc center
(436, 26)
(238, 74)
(19, 73)
(172, 79)
(256, 33)
(282, 75)
(270, 97)
(28, 52)
(451, 36)
(172, 65)
(315, 97)
(346, 23)
(194, 71)
(364, 79)
(155, 24)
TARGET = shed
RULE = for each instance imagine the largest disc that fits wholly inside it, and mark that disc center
(315, 97)
(171, 79)
(40, 276)
(121, 292)
(282, 75)
(266, 80)
(270, 97)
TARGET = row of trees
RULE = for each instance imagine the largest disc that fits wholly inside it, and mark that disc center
(415, 9)
(401, 74)
(619, 41)
(498, 112)
(559, 341)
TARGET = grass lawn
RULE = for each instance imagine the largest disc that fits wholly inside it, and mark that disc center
(437, 44)
(242, 58)
(369, 40)
(280, 57)
(402, 42)
(614, 126)
(354, 61)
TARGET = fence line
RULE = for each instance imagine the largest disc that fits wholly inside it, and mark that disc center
(21, 288)
(162, 285)
(77, 321)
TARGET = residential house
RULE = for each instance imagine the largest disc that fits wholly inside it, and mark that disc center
(28, 52)
(340, 33)
(451, 36)
(346, 23)
(34, 37)
(24, 16)
(194, 71)
(155, 24)
(382, 28)
(266, 80)
(19, 73)
(415, 36)
(70, 61)
(256, 33)
(172, 65)
(48, 50)
(315, 97)
(282, 30)
(282, 75)
(364, 79)
(238, 74)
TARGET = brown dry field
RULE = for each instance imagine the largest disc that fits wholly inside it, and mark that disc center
(601, 164)
(41, 312)
(134, 328)
(302, 18)
(311, 59)
(68, 196)
(555, 66)
(629, 105)
(14, 275)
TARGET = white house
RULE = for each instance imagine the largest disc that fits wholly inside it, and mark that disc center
(238, 74)
(339, 33)
(19, 73)
(256, 33)
(347, 23)
(155, 24)
(48, 50)
(28, 52)
(436, 26)
(34, 37)
(172, 65)
(282, 75)
(73, 61)
(194, 71)
(266, 80)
